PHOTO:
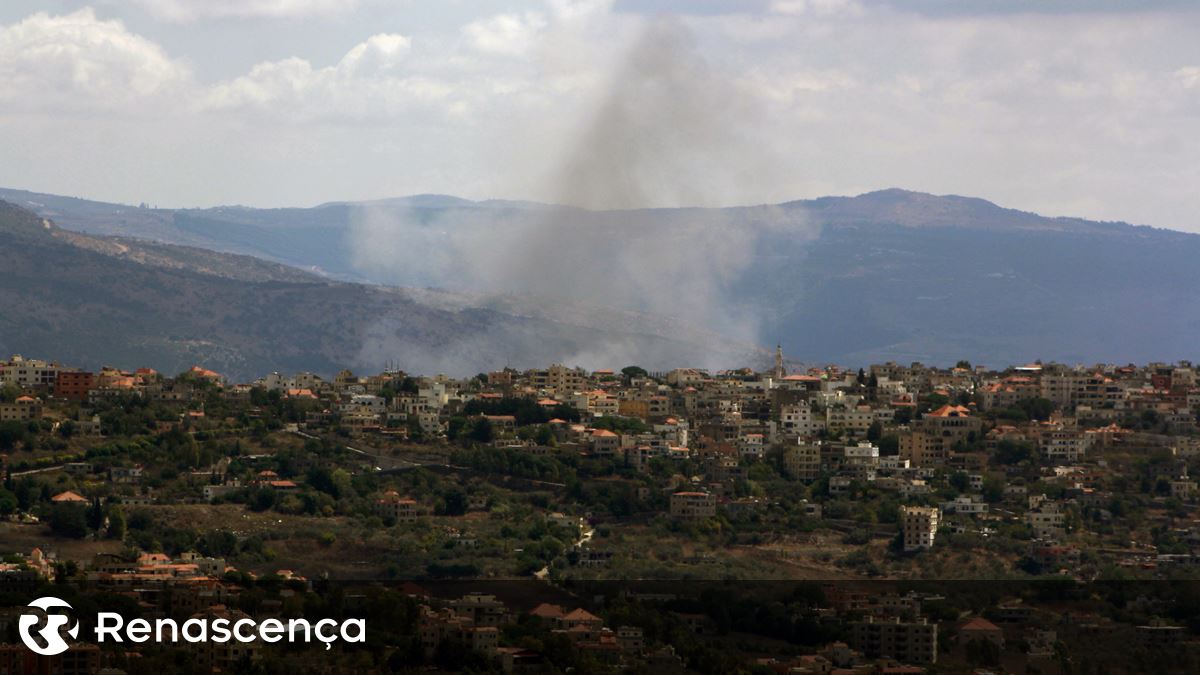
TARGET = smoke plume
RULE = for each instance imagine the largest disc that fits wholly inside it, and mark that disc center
(671, 132)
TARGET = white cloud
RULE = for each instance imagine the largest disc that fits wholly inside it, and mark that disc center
(1188, 76)
(370, 81)
(508, 34)
(76, 61)
(816, 7)
(192, 10)
(382, 52)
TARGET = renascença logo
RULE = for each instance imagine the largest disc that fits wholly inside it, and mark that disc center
(42, 631)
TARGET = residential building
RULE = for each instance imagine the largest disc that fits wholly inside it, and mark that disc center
(919, 525)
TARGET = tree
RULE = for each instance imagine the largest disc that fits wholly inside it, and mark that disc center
(116, 523)
(341, 483)
(262, 499)
(1013, 452)
(960, 481)
(483, 432)
(95, 515)
(8, 502)
(218, 543)
(68, 520)
(889, 446)
(631, 372)
(875, 431)
(1036, 408)
(455, 503)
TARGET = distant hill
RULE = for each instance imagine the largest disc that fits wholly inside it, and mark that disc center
(91, 301)
(885, 275)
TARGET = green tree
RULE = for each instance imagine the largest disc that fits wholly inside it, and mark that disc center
(483, 432)
(8, 502)
(9, 392)
(875, 431)
(631, 372)
(68, 520)
(95, 515)
(116, 523)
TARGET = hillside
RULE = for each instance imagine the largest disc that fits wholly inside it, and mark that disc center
(91, 301)
(885, 275)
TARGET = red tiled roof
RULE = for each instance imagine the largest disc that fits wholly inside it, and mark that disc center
(978, 624)
(950, 411)
(548, 611)
(68, 496)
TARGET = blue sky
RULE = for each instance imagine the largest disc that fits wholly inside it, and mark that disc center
(1067, 108)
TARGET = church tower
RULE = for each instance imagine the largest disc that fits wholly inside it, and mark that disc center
(779, 372)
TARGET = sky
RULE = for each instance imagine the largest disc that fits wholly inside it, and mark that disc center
(1074, 108)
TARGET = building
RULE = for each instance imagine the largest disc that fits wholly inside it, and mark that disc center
(693, 505)
(79, 659)
(399, 509)
(980, 628)
(1064, 446)
(29, 373)
(919, 525)
(74, 385)
(908, 642)
(230, 656)
(1046, 521)
(801, 420)
(803, 461)
(934, 436)
(23, 409)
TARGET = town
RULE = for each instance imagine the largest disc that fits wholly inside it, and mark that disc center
(831, 495)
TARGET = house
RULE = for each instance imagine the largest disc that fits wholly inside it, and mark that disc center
(631, 639)
(1046, 521)
(934, 436)
(399, 509)
(212, 492)
(605, 442)
(23, 409)
(980, 628)
(693, 505)
(126, 474)
(559, 519)
(965, 505)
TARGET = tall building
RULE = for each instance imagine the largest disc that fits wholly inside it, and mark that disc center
(919, 525)
(779, 372)
(905, 641)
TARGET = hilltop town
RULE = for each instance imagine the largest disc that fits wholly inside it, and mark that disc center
(858, 484)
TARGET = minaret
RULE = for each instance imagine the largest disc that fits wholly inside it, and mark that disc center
(779, 362)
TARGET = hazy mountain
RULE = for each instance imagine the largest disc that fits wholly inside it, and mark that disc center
(91, 301)
(886, 275)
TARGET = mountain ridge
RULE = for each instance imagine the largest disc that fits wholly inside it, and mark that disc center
(86, 302)
(890, 274)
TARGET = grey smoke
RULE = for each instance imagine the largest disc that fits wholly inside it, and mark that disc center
(673, 131)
